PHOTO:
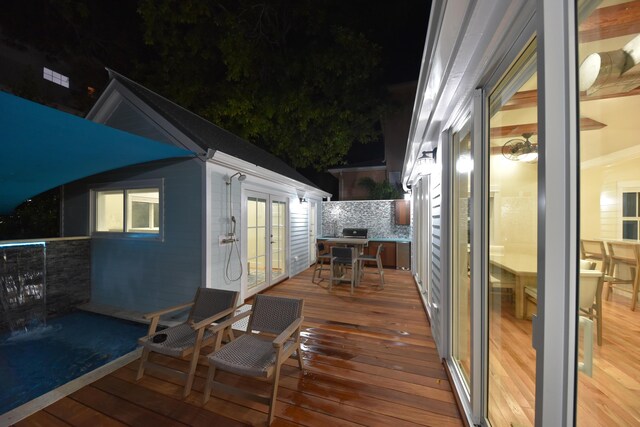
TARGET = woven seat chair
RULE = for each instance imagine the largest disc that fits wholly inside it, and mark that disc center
(273, 335)
(186, 339)
(321, 257)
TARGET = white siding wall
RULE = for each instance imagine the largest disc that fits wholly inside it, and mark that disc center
(437, 266)
(299, 231)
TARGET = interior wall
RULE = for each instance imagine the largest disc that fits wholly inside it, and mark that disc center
(514, 193)
(600, 199)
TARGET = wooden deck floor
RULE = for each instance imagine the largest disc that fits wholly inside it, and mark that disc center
(369, 360)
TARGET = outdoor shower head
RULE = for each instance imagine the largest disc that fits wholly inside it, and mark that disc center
(241, 177)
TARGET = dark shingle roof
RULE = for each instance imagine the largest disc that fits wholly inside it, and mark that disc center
(207, 135)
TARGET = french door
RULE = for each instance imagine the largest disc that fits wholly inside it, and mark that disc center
(266, 240)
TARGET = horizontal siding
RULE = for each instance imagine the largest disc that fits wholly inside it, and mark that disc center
(436, 258)
(299, 231)
(141, 274)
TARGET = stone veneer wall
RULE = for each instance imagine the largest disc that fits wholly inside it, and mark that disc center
(68, 275)
(376, 215)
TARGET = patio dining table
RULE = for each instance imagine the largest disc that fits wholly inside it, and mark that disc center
(358, 243)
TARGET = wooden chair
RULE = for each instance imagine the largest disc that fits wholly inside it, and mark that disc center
(531, 297)
(362, 259)
(186, 339)
(342, 259)
(590, 297)
(624, 259)
(273, 335)
(321, 256)
(594, 250)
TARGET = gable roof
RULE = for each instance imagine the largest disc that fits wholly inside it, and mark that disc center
(206, 134)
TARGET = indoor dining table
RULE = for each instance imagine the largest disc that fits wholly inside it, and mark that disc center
(525, 270)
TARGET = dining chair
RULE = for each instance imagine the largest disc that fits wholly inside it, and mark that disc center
(531, 298)
(343, 259)
(272, 337)
(187, 338)
(363, 259)
(590, 297)
(594, 250)
(624, 262)
(322, 255)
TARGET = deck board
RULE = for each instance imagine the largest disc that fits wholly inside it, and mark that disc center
(369, 360)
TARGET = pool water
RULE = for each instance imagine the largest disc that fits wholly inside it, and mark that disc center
(38, 361)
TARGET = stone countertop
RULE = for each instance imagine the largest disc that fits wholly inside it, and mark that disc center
(376, 239)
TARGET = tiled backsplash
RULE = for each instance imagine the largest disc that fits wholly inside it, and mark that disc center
(376, 215)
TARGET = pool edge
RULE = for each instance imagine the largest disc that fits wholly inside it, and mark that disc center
(41, 402)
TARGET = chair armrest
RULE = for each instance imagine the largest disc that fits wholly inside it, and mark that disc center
(211, 319)
(166, 310)
(229, 322)
(286, 334)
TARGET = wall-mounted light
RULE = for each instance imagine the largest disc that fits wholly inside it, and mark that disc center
(301, 195)
(426, 159)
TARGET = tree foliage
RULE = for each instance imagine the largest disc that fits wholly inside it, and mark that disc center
(381, 190)
(285, 75)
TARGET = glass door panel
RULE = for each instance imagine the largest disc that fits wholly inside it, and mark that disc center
(278, 239)
(511, 210)
(256, 242)
(462, 253)
(608, 385)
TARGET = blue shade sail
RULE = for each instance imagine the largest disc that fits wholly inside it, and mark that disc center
(42, 148)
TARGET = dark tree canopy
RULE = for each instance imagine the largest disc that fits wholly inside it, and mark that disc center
(284, 75)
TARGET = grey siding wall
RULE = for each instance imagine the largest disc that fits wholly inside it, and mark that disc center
(299, 230)
(143, 274)
(146, 275)
(436, 260)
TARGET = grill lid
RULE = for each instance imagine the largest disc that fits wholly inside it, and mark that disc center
(358, 233)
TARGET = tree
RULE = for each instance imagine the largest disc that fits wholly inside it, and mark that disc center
(282, 74)
(381, 190)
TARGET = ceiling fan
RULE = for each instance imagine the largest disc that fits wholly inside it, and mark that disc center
(521, 150)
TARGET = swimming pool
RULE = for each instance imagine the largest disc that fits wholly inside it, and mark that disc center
(39, 361)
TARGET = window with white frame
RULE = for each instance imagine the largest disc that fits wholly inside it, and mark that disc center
(630, 214)
(128, 210)
(55, 77)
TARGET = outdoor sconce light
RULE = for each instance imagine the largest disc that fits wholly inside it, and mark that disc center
(427, 159)
(301, 195)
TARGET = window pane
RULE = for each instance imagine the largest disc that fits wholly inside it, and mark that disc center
(513, 244)
(629, 201)
(109, 211)
(462, 252)
(606, 327)
(630, 230)
(141, 207)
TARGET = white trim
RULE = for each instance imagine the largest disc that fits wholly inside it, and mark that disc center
(356, 169)
(229, 161)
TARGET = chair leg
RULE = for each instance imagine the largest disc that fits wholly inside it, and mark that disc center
(381, 273)
(300, 362)
(634, 294)
(143, 361)
(274, 393)
(207, 387)
(352, 278)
